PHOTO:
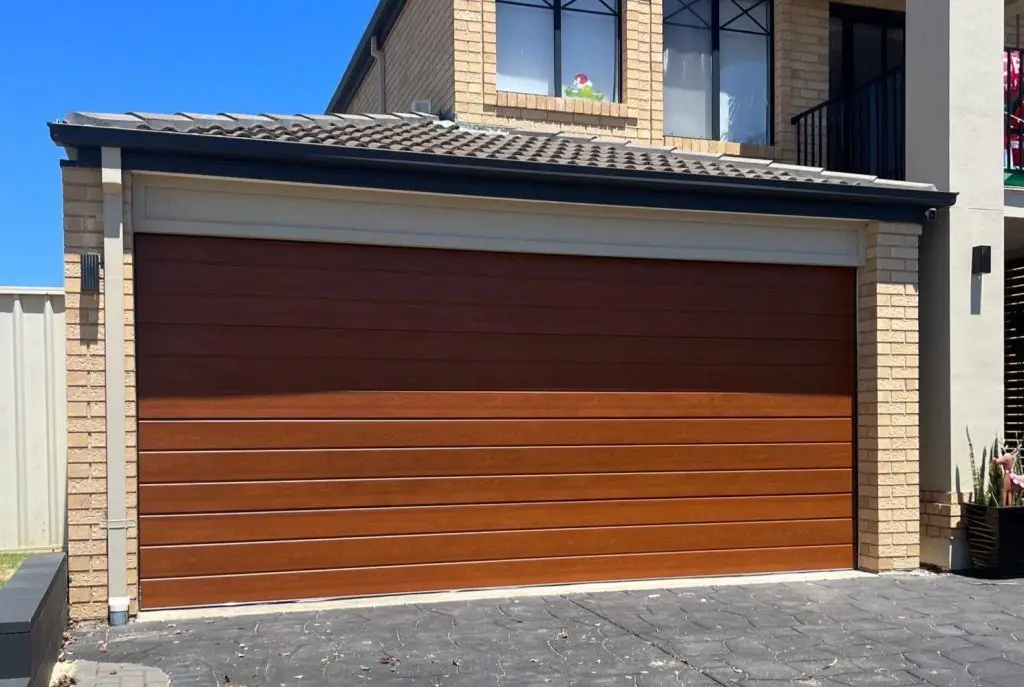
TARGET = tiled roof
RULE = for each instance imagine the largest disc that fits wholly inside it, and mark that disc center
(426, 134)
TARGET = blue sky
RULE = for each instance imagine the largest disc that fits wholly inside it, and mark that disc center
(117, 56)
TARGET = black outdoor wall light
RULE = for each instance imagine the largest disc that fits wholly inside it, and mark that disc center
(90, 263)
(981, 260)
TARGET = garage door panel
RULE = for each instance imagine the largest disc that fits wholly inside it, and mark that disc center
(298, 494)
(227, 559)
(285, 434)
(332, 405)
(365, 315)
(157, 467)
(257, 284)
(206, 377)
(338, 257)
(158, 530)
(178, 344)
(196, 591)
(421, 420)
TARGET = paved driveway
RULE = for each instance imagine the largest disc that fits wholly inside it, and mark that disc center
(894, 630)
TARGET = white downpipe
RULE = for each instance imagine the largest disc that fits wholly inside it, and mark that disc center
(113, 313)
(378, 56)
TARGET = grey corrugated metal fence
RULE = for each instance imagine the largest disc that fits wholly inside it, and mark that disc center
(33, 419)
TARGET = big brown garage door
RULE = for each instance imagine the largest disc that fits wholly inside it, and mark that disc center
(328, 420)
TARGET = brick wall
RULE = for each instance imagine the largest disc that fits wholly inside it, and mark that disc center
(419, 59)
(802, 61)
(468, 78)
(477, 100)
(888, 395)
(87, 483)
(940, 519)
(800, 72)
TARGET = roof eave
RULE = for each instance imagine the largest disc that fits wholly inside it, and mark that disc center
(380, 25)
(206, 146)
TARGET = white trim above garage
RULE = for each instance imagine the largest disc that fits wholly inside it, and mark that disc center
(214, 207)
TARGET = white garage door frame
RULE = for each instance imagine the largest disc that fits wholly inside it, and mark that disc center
(216, 207)
(204, 206)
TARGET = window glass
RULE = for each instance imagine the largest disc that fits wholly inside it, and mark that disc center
(687, 12)
(894, 50)
(604, 6)
(835, 57)
(743, 100)
(526, 54)
(743, 15)
(687, 81)
(733, 51)
(588, 56)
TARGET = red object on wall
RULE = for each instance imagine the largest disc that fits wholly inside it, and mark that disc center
(1014, 109)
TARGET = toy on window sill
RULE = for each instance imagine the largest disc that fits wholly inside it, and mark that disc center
(583, 89)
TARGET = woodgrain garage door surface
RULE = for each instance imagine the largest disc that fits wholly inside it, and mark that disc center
(328, 420)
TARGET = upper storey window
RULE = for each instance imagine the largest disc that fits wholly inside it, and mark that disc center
(561, 48)
(717, 62)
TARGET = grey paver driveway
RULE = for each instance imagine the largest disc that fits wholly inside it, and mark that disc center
(895, 630)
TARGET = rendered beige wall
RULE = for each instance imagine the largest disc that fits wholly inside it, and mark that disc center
(86, 395)
(954, 85)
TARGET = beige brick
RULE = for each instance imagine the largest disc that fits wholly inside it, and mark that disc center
(86, 394)
(888, 462)
(89, 611)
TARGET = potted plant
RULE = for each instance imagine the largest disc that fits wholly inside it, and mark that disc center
(995, 513)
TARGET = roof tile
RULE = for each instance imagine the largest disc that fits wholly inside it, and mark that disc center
(411, 132)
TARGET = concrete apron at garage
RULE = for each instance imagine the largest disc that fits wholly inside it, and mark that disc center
(909, 629)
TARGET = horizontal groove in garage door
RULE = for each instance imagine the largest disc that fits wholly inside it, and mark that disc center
(171, 342)
(249, 466)
(168, 279)
(428, 317)
(285, 434)
(294, 495)
(199, 591)
(157, 530)
(155, 249)
(359, 552)
(412, 405)
(225, 377)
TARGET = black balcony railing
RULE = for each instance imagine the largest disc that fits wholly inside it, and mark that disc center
(861, 132)
(1013, 111)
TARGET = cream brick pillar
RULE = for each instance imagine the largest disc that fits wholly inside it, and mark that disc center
(87, 408)
(887, 394)
(954, 140)
(87, 475)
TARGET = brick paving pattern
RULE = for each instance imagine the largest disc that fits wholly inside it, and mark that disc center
(928, 630)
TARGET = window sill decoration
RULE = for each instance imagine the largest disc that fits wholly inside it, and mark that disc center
(583, 89)
(547, 103)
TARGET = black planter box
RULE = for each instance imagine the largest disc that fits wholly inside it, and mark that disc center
(33, 615)
(995, 537)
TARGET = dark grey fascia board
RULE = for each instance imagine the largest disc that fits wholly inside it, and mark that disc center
(381, 23)
(432, 173)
